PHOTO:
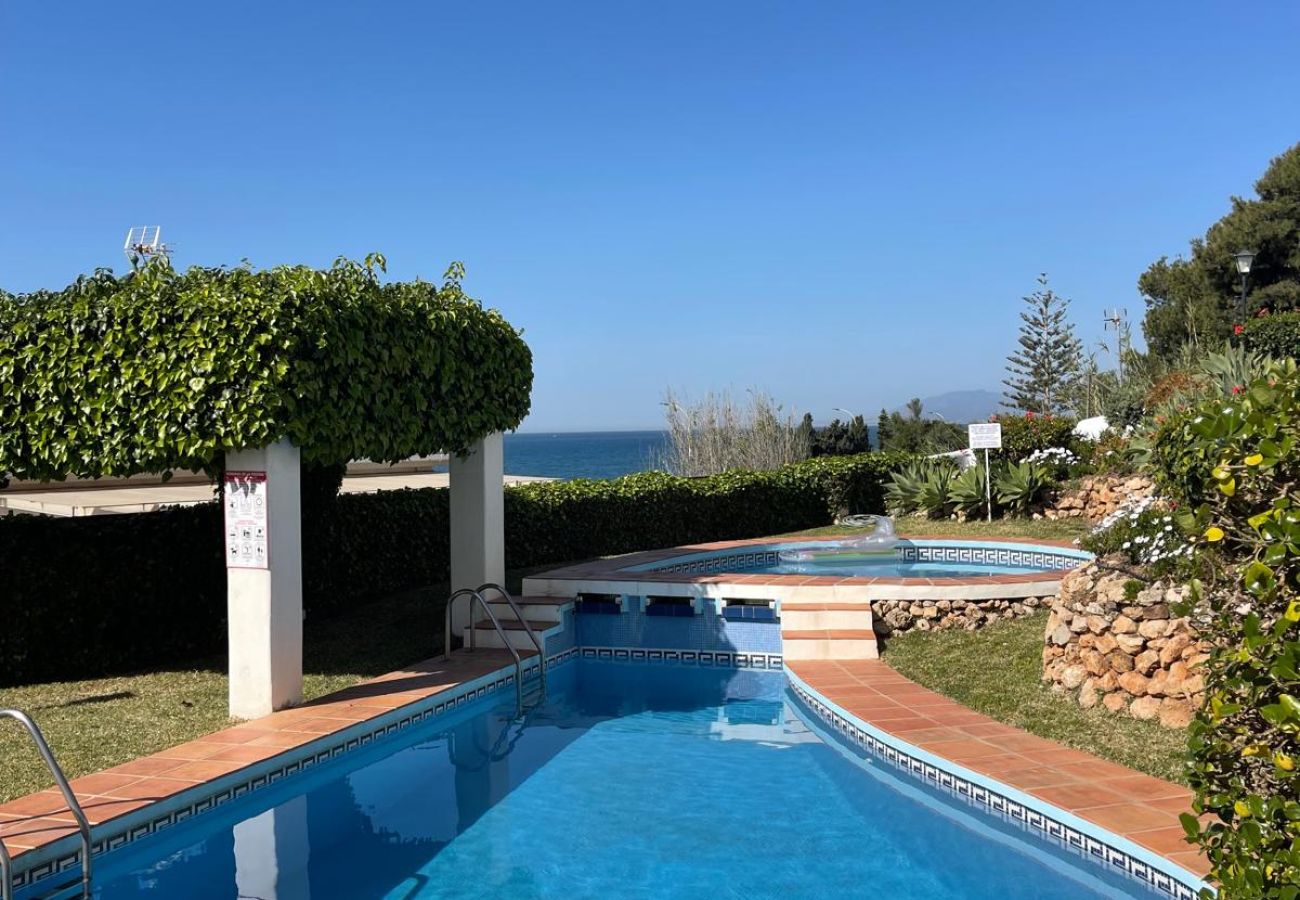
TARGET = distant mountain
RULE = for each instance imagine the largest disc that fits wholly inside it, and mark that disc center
(960, 406)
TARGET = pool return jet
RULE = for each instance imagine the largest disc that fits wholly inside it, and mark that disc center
(876, 545)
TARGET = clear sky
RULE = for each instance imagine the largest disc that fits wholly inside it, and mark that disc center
(841, 203)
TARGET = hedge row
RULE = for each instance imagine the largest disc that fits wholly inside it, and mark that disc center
(92, 596)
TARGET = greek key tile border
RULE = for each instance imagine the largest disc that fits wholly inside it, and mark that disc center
(716, 658)
(107, 837)
(1043, 559)
(1077, 842)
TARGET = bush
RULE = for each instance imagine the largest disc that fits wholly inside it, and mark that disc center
(1144, 533)
(1023, 435)
(159, 370)
(1238, 463)
(1276, 335)
(90, 596)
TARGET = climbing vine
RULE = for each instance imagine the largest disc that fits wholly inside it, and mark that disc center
(158, 370)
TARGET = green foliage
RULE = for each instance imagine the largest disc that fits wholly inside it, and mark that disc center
(903, 491)
(913, 433)
(838, 438)
(1235, 468)
(933, 497)
(967, 491)
(1022, 486)
(1277, 335)
(160, 370)
(1041, 373)
(149, 589)
(1023, 435)
(1194, 300)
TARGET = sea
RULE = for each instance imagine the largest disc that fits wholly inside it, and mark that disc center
(583, 454)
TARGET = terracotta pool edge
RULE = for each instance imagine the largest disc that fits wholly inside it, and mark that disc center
(60, 854)
(1191, 881)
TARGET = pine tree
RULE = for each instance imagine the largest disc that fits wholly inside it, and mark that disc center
(1040, 373)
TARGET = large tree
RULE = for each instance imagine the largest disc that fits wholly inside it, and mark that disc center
(1042, 371)
(1194, 300)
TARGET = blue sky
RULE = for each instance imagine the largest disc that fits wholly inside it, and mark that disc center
(841, 203)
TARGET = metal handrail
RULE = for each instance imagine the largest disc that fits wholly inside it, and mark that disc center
(446, 645)
(532, 635)
(6, 862)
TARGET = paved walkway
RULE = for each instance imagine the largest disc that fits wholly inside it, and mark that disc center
(1141, 808)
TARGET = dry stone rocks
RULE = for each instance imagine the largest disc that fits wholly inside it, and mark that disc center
(897, 616)
(1097, 496)
(1107, 646)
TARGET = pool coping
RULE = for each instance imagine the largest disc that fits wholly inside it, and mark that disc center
(618, 575)
(141, 797)
(1008, 771)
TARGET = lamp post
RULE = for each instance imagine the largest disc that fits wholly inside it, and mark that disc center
(1243, 259)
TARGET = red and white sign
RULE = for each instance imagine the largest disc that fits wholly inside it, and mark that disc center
(247, 539)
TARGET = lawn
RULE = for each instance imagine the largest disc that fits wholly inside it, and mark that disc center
(996, 671)
(98, 723)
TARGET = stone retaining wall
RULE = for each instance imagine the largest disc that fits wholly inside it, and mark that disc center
(1111, 642)
(1097, 496)
(897, 616)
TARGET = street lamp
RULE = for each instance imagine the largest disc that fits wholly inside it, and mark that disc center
(845, 411)
(1243, 259)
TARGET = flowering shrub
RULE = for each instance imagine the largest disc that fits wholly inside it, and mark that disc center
(1061, 462)
(1237, 462)
(1144, 532)
(1022, 435)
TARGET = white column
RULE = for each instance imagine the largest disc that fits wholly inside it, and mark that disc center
(478, 519)
(271, 853)
(264, 605)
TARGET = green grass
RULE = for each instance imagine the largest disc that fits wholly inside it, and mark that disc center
(97, 723)
(996, 671)
(915, 526)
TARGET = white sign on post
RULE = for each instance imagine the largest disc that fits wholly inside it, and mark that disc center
(985, 435)
(247, 544)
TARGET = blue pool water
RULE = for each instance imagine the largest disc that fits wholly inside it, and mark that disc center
(857, 567)
(632, 780)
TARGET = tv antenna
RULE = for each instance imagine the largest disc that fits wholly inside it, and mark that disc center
(144, 242)
(1113, 319)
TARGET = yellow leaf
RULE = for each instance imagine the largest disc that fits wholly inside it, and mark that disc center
(1213, 534)
(1282, 761)
(1254, 459)
(1241, 809)
(1228, 487)
(1220, 473)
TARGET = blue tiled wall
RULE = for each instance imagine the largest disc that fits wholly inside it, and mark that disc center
(707, 631)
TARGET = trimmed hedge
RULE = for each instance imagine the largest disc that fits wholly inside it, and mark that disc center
(159, 370)
(1023, 434)
(1276, 335)
(91, 596)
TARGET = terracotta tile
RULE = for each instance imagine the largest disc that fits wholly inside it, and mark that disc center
(151, 788)
(1164, 841)
(1079, 796)
(38, 804)
(1126, 818)
(24, 834)
(963, 749)
(245, 753)
(101, 809)
(205, 769)
(146, 765)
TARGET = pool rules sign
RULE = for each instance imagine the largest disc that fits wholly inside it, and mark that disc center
(986, 436)
(247, 545)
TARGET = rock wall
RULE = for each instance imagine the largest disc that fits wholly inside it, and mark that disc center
(1097, 496)
(1112, 643)
(897, 616)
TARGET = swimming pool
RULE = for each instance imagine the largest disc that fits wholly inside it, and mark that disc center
(630, 780)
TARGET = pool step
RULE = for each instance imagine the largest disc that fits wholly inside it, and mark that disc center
(837, 643)
(486, 636)
(825, 616)
(536, 609)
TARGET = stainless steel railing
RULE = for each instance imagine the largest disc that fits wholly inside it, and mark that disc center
(83, 826)
(446, 639)
(532, 635)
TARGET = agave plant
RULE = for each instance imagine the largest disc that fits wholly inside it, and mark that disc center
(933, 497)
(1021, 486)
(903, 493)
(966, 491)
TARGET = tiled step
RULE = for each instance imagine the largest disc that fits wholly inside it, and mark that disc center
(840, 643)
(486, 636)
(822, 616)
(537, 609)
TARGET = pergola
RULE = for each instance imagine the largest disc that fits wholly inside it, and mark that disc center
(256, 377)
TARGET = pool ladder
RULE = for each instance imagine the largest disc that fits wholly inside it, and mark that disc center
(496, 625)
(83, 826)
